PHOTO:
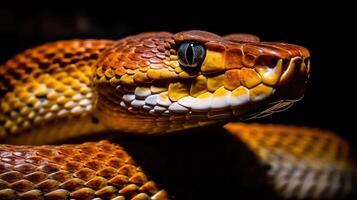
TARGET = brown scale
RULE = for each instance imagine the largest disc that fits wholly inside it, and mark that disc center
(85, 171)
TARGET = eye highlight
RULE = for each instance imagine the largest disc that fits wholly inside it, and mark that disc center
(191, 54)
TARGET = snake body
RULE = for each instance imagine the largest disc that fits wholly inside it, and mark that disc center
(155, 83)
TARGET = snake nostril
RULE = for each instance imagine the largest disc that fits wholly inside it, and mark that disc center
(270, 62)
(273, 62)
(306, 61)
(285, 63)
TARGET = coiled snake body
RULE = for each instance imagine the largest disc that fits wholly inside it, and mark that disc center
(156, 83)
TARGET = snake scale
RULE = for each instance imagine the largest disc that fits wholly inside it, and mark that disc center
(149, 84)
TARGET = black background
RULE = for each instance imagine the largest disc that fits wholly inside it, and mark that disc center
(326, 30)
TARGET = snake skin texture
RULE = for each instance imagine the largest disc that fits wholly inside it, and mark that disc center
(93, 170)
(155, 83)
(303, 163)
(52, 81)
(137, 85)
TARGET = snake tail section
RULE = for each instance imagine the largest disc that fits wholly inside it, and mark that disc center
(302, 163)
(93, 170)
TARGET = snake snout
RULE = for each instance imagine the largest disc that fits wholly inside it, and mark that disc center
(295, 75)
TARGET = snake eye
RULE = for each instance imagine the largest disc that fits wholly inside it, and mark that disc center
(191, 54)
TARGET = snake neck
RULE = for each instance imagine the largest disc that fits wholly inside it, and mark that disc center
(47, 91)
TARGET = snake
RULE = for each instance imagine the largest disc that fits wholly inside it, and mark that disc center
(150, 84)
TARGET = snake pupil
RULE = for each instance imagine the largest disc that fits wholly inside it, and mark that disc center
(191, 54)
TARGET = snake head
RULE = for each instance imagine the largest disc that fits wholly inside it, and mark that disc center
(161, 82)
